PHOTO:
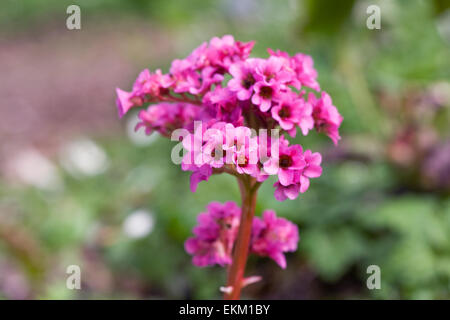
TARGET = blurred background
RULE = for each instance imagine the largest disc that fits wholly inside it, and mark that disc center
(79, 187)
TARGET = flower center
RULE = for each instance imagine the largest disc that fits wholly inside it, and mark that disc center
(266, 92)
(219, 155)
(260, 165)
(248, 81)
(269, 75)
(285, 112)
(285, 161)
(242, 161)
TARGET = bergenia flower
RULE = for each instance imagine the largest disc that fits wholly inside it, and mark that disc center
(225, 51)
(287, 192)
(125, 101)
(243, 78)
(272, 70)
(264, 94)
(300, 182)
(223, 100)
(302, 66)
(312, 169)
(213, 145)
(246, 157)
(208, 78)
(305, 118)
(290, 159)
(326, 117)
(214, 235)
(222, 105)
(287, 112)
(166, 117)
(199, 174)
(291, 111)
(306, 74)
(273, 236)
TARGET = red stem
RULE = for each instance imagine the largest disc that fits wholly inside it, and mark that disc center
(249, 190)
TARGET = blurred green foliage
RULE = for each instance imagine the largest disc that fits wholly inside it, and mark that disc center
(361, 212)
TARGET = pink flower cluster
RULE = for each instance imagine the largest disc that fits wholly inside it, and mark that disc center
(272, 236)
(326, 116)
(235, 113)
(294, 168)
(214, 235)
(166, 117)
(223, 147)
(262, 93)
(217, 229)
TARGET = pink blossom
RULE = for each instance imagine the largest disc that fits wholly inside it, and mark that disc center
(239, 138)
(198, 175)
(271, 70)
(326, 117)
(291, 110)
(142, 83)
(184, 78)
(305, 119)
(225, 51)
(243, 78)
(193, 143)
(147, 87)
(244, 147)
(259, 174)
(287, 112)
(223, 105)
(264, 154)
(246, 159)
(272, 236)
(213, 149)
(303, 67)
(198, 58)
(289, 160)
(286, 192)
(193, 157)
(300, 182)
(208, 78)
(264, 94)
(312, 168)
(151, 86)
(214, 235)
(125, 101)
(207, 63)
(166, 117)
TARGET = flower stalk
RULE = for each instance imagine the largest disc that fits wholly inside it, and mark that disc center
(249, 191)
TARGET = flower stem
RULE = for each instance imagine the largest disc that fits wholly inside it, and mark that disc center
(249, 190)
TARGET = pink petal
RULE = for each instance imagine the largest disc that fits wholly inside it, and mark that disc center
(313, 171)
(292, 191)
(285, 176)
(304, 184)
(123, 102)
